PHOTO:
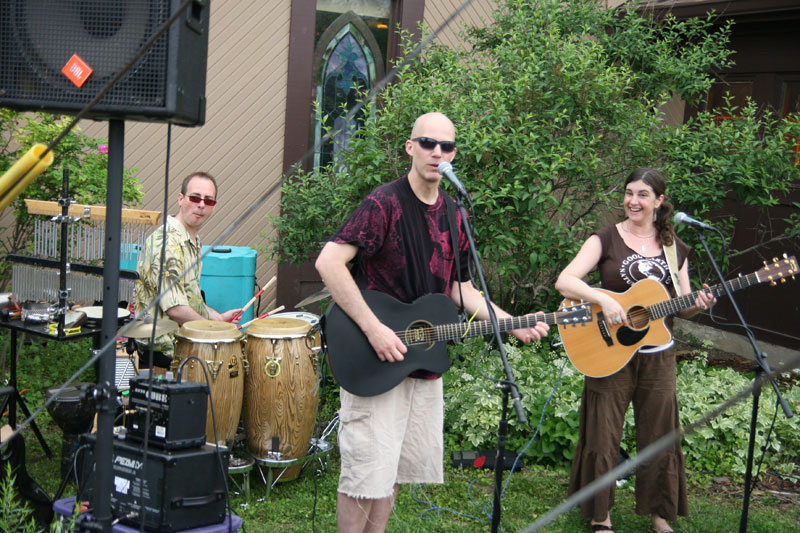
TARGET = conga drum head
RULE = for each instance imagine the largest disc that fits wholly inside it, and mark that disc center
(278, 328)
(209, 331)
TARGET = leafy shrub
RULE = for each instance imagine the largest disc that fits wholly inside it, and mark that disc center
(473, 403)
(473, 408)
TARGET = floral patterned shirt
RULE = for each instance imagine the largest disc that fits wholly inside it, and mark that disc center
(181, 253)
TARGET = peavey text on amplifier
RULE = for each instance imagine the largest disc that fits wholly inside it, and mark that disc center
(170, 491)
(177, 413)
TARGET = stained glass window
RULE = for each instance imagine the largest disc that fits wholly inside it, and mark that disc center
(349, 60)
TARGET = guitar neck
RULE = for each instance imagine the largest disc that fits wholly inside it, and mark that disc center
(448, 332)
(675, 305)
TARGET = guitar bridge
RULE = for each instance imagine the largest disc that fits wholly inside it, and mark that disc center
(604, 331)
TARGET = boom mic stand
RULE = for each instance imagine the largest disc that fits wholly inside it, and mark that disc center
(763, 367)
(508, 386)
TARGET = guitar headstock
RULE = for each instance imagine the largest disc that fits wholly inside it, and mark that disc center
(574, 313)
(780, 269)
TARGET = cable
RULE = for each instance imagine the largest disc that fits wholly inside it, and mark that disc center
(218, 454)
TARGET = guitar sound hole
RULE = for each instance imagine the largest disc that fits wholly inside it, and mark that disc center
(419, 332)
(639, 317)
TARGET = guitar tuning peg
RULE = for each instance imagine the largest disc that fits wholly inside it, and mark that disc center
(774, 259)
(772, 283)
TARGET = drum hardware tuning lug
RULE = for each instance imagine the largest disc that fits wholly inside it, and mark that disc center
(273, 368)
(214, 366)
(233, 367)
(245, 364)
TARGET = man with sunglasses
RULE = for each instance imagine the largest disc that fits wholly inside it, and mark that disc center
(183, 301)
(398, 242)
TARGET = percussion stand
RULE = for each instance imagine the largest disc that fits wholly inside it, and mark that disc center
(761, 369)
(15, 398)
(508, 386)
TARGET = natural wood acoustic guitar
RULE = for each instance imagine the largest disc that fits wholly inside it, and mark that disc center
(599, 348)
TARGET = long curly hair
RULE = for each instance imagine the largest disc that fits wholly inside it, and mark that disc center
(663, 215)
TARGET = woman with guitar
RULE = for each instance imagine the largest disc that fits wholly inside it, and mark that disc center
(625, 253)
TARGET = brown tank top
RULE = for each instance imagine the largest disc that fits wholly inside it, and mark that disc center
(620, 266)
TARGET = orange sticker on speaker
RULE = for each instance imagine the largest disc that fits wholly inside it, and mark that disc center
(77, 70)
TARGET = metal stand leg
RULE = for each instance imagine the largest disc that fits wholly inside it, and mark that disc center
(15, 398)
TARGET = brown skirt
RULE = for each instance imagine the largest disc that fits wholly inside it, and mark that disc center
(649, 381)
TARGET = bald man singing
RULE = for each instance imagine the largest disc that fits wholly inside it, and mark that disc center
(398, 242)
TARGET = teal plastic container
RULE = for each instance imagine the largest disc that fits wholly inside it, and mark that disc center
(228, 278)
(129, 254)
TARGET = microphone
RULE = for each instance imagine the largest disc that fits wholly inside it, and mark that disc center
(446, 170)
(683, 218)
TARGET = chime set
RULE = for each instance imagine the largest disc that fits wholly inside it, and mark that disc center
(35, 278)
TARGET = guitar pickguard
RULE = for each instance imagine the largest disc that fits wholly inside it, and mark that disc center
(629, 337)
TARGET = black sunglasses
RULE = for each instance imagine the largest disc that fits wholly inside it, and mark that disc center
(429, 144)
(196, 200)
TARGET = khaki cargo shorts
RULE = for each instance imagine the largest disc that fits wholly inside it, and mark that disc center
(394, 437)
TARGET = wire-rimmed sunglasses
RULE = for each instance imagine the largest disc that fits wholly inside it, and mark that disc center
(429, 144)
(196, 200)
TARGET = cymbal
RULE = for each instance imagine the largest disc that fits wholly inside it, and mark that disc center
(142, 329)
(317, 296)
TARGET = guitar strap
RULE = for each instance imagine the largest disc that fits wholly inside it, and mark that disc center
(451, 218)
(671, 252)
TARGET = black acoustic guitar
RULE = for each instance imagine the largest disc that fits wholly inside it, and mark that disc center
(602, 348)
(424, 326)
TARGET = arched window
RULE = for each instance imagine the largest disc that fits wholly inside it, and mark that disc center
(349, 58)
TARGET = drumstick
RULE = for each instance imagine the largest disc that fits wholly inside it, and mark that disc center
(277, 309)
(253, 299)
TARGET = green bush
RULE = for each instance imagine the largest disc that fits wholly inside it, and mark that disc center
(554, 104)
(473, 400)
(473, 408)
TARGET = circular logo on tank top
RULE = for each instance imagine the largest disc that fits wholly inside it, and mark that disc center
(636, 268)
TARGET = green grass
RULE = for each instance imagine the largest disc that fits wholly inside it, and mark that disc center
(309, 502)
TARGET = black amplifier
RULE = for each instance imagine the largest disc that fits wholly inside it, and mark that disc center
(177, 413)
(170, 491)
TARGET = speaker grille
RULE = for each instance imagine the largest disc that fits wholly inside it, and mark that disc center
(104, 34)
(38, 38)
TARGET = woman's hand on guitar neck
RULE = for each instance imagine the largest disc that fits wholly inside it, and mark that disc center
(705, 300)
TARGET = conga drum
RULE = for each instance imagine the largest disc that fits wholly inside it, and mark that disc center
(281, 390)
(219, 346)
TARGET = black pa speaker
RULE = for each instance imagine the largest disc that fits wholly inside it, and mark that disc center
(40, 39)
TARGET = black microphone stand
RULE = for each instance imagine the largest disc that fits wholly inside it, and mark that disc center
(762, 368)
(508, 386)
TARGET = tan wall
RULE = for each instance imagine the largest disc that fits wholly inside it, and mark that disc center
(478, 13)
(241, 143)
